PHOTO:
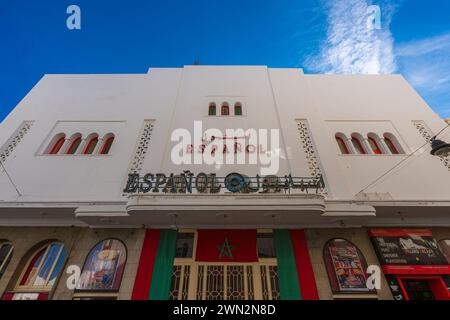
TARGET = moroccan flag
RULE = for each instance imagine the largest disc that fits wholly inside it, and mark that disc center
(226, 246)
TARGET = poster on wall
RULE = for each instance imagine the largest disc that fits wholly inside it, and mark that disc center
(409, 247)
(348, 268)
(104, 267)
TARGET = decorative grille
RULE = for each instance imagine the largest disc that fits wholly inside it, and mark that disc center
(214, 283)
(142, 147)
(275, 290)
(250, 288)
(175, 283)
(186, 274)
(308, 147)
(12, 142)
(265, 291)
(427, 135)
(235, 283)
(200, 282)
(224, 282)
(269, 282)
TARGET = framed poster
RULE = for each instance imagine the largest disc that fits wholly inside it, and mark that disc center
(407, 247)
(346, 267)
(104, 266)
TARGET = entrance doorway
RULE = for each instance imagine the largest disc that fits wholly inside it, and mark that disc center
(423, 287)
(418, 290)
(197, 281)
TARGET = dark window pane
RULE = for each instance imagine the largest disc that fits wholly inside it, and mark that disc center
(5, 256)
(107, 146)
(185, 245)
(266, 246)
(212, 110)
(74, 146)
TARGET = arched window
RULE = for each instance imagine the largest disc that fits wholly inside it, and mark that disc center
(75, 142)
(6, 250)
(358, 144)
(444, 245)
(238, 109)
(40, 273)
(107, 143)
(392, 144)
(56, 144)
(212, 109)
(341, 140)
(346, 266)
(374, 142)
(104, 266)
(225, 109)
(91, 143)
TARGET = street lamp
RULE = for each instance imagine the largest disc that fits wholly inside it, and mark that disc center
(439, 148)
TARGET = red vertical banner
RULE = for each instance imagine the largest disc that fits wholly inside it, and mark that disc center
(305, 271)
(226, 246)
(146, 262)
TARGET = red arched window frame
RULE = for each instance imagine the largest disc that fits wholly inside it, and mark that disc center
(391, 145)
(357, 143)
(375, 146)
(57, 146)
(225, 110)
(91, 146)
(107, 145)
(342, 145)
(74, 146)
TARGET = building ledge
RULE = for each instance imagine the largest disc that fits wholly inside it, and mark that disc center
(200, 202)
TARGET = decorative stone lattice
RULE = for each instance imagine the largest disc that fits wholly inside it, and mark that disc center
(427, 135)
(310, 152)
(8, 148)
(142, 147)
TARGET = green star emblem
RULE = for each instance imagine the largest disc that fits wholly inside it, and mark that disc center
(226, 250)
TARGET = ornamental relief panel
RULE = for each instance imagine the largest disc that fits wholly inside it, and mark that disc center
(310, 152)
(142, 147)
(10, 145)
(427, 135)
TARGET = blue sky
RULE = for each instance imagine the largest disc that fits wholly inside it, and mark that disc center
(322, 36)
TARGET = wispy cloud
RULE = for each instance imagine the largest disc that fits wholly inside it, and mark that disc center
(350, 46)
(424, 46)
(426, 61)
(425, 64)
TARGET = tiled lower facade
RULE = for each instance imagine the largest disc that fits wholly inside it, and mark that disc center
(229, 264)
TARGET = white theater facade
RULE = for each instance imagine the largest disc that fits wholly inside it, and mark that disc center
(210, 182)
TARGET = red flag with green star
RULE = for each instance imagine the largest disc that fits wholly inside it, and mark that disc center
(226, 246)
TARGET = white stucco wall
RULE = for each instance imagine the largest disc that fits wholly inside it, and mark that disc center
(175, 98)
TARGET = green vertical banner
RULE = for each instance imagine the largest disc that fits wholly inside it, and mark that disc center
(287, 268)
(162, 270)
